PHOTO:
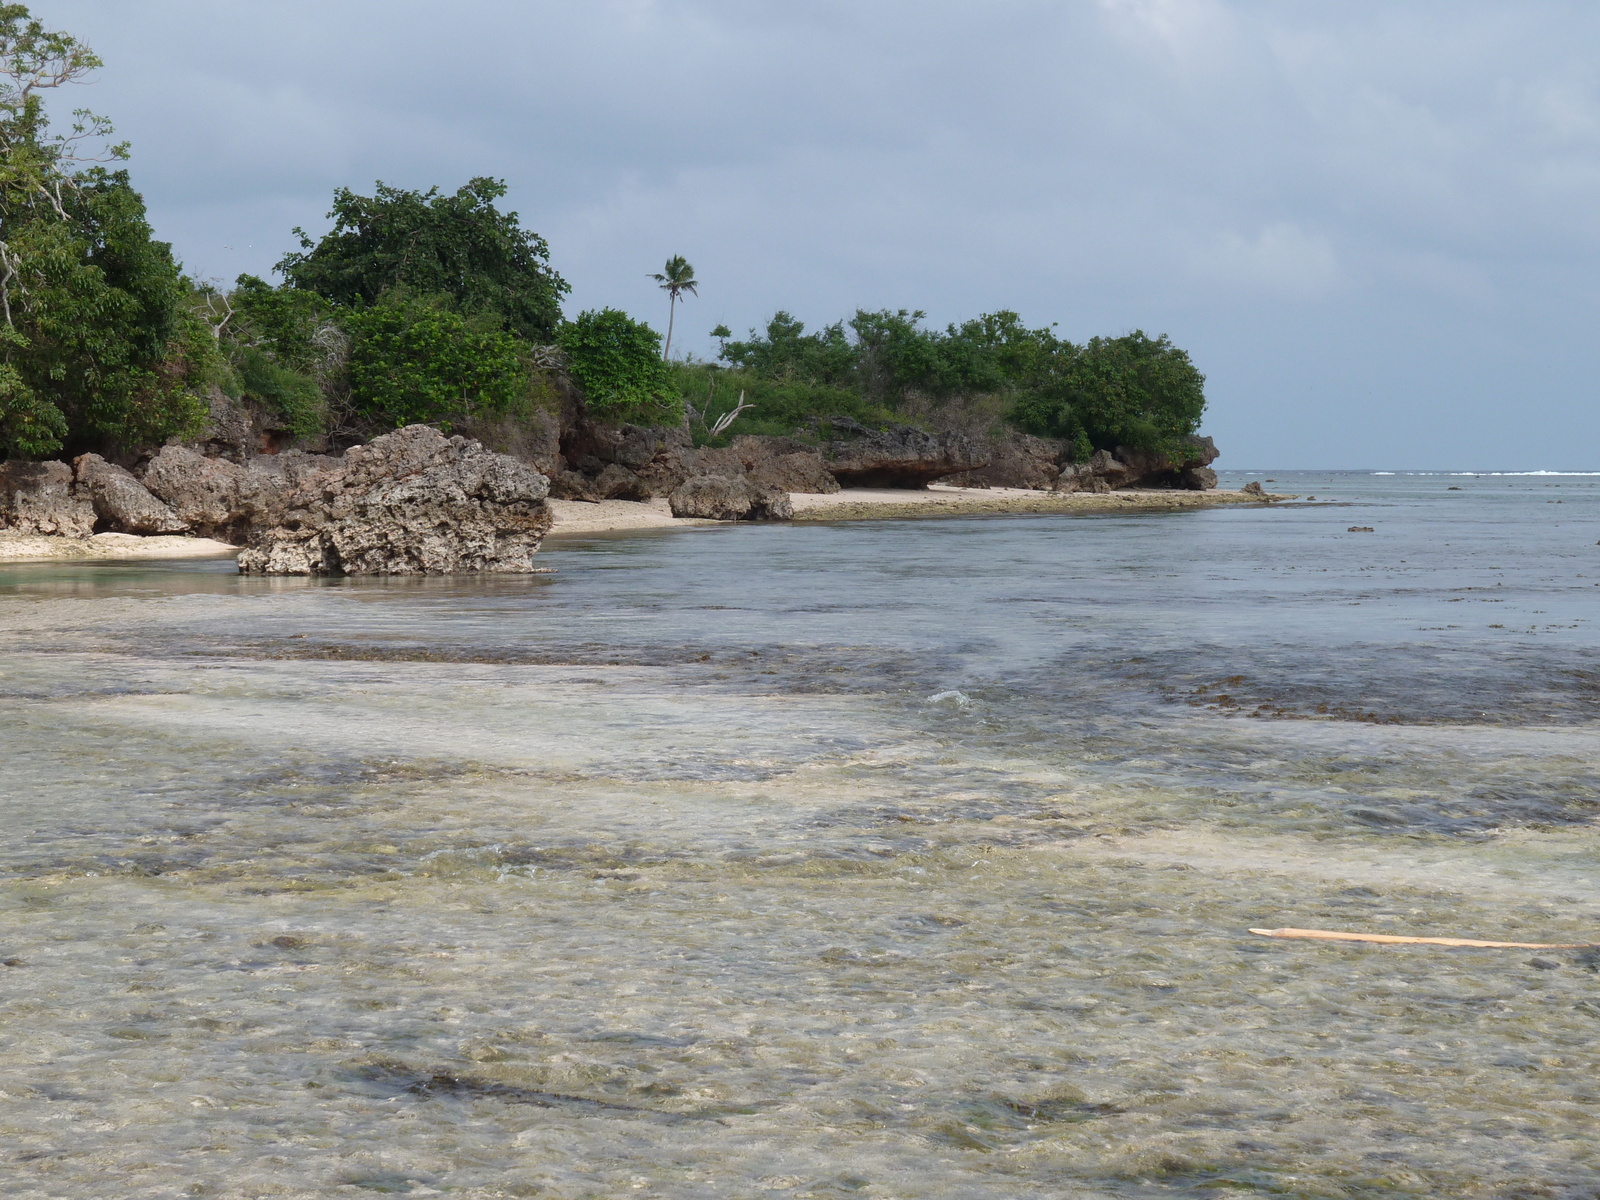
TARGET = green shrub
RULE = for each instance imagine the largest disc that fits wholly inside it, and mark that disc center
(295, 397)
(416, 360)
(617, 362)
(779, 408)
(1128, 391)
(460, 246)
(101, 349)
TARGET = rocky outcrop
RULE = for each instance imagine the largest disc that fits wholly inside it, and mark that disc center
(769, 462)
(631, 462)
(1191, 470)
(121, 503)
(1020, 461)
(218, 498)
(411, 502)
(900, 456)
(1017, 460)
(39, 497)
(729, 498)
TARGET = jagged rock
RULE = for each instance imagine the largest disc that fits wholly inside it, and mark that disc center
(533, 438)
(672, 464)
(729, 498)
(38, 497)
(573, 485)
(616, 482)
(230, 430)
(213, 496)
(1253, 488)
(411, 502)
(899, 456)
(1080, 477)
(1017, 460)
(772, 462)
(1189, 470)
(121, 503)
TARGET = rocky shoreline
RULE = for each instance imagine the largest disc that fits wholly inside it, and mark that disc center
(417, 501)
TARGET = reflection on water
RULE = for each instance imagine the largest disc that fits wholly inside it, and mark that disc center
(886, 859)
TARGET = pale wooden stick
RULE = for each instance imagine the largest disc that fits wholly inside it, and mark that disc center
(1391, 939)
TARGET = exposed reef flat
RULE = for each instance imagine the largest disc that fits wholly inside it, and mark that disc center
(944, 500)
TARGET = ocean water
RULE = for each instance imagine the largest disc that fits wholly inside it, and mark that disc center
(877, 859)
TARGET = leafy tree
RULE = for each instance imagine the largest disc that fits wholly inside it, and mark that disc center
(679, 278)
(287, 352)
(459, 246)
(415, 359)
(617, 362)
(1127, 391)
(786, 351)
(98, 345)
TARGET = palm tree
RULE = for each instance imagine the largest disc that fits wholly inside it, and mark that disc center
(679, 278)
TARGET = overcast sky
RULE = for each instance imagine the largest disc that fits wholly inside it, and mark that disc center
(1373, 224)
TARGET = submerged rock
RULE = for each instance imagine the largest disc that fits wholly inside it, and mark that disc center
(729, 498)
(39, 497)
(411, 502)
(121, 503)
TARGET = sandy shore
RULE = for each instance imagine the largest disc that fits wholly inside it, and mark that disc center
(609, 516)
(574, 517)
(29, 548)
(942, 500)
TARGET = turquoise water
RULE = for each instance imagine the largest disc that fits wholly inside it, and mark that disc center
(880, 858)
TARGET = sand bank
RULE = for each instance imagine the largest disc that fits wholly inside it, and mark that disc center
(577, 518)
(35, 548)
(943, 500)
(940, 500)
(609, 516)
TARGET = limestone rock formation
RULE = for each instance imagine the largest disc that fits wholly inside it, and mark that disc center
(38, 497)
(729, 498)
(121, 503)
(411, 502)
(635, 463)
(899, 456)
(213, 496)
(1017, 460)
(770, 462)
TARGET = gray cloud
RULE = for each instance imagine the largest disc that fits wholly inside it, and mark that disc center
(1373, 223)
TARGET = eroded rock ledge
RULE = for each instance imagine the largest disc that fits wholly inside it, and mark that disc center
(631, 462)
(408, 503)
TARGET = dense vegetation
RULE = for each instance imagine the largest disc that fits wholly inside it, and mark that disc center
(98, 343)
(883, 366)
(442, 308)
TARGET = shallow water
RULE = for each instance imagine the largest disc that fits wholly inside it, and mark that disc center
(892, 859)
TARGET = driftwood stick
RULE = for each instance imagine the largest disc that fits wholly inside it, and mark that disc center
(1390, 939)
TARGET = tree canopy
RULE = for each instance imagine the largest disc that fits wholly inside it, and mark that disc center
(460, 246)
(1132, 390)
(98, 345)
